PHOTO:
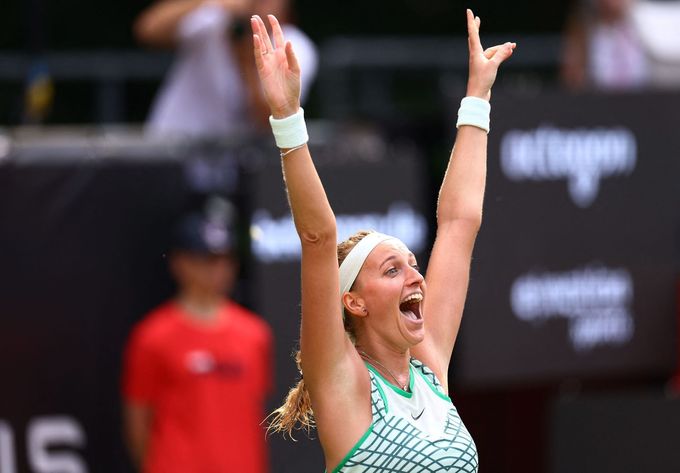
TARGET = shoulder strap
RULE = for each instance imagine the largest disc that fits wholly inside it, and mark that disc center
(428, 374)
(379, 406)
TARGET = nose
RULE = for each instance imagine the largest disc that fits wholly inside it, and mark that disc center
(415, 277)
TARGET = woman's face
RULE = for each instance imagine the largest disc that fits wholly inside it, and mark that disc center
(392, 290)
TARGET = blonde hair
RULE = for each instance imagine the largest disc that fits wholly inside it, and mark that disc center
(296, 412)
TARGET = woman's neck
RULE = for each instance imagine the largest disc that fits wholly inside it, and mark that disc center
(392, 364)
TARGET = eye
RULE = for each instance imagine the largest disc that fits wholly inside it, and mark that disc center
(391, 271)
(416, 267)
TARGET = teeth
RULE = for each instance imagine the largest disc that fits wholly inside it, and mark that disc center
(413, 298)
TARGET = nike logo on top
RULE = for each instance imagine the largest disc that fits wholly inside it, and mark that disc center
(418, 416)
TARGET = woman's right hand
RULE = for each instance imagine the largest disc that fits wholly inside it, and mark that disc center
(277, 68)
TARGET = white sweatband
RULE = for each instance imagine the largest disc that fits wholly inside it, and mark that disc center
(351, 265)
(291, 131)
(474, 111)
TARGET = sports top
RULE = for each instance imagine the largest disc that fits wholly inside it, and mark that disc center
(417, 432)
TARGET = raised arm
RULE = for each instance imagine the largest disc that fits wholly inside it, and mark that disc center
(323, 342)
(459, 213)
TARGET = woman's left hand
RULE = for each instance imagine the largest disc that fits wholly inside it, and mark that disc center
(483, 63)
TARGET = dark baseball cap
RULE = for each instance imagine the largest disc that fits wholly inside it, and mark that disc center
(197, 233)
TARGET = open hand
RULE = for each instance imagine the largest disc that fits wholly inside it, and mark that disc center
(277, 68)
(483, 63)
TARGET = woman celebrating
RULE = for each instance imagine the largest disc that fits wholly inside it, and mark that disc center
(376, 336)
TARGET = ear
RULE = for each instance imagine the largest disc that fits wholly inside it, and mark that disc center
(354, 304)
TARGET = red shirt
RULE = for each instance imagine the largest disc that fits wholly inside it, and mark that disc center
(206, 386)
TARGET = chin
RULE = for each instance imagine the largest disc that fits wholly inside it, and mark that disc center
(413, 339)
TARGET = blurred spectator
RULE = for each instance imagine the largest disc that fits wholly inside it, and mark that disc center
(658, 24)
(213, 84)
(198, 368)
(602, 48)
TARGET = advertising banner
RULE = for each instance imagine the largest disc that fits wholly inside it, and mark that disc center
(575, 268)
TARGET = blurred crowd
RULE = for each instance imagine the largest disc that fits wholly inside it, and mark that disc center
(210, 88)
(622, 45)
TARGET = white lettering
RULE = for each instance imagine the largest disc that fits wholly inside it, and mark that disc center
(7, 458)
(45, 433)
(596, 301)
(276, 240)
(581, 156)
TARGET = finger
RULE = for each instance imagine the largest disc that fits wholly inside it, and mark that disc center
(293, 64)
(473, 33)
(255, 25)
(257, 51)
(264, 35)
(504, 52)
(277, 32)
(489, 52)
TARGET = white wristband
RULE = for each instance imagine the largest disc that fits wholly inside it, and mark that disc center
(291, 131)
(474, 111)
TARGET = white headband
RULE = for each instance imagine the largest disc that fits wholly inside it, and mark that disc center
(350, 267)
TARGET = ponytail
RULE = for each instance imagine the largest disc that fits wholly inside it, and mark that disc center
(296, 412)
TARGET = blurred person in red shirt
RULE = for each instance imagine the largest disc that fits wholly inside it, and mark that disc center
(197, 368)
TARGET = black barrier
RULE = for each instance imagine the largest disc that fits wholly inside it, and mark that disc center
(576, 264)
(631, 432)
(82, 250)
(86, 223)
(82, 243)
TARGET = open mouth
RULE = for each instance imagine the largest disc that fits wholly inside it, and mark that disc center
(410, 307)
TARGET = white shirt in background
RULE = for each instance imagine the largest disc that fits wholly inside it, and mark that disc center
(203, 93)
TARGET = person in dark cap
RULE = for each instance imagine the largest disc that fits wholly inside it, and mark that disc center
(197, 369)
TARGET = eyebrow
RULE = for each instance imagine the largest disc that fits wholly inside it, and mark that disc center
(391, 257)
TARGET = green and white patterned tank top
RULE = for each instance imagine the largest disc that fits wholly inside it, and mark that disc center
(417, 432)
